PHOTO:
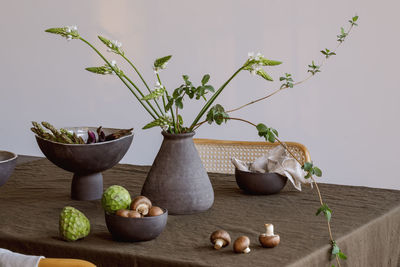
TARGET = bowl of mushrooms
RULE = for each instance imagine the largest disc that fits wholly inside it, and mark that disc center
(132, 220)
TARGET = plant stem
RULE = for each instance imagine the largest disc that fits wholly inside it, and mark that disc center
(318, 191)
(163, 98)
(313, 180)
(144, 82)
(119, 76)
(212, 99)
(140, 92)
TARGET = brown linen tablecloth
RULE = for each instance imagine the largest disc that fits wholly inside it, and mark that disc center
(366, 223)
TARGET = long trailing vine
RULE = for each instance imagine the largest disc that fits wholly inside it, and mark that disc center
(164, 108)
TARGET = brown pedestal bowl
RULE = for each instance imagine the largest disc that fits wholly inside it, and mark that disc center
(86, 161)
(260, 183)
(136, 229)
(7, 165)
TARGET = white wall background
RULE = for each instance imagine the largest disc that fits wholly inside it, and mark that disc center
(347, 116)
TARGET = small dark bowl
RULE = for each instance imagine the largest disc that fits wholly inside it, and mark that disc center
(136, 229)
(86, 161)
(260, 183)
(7, 165)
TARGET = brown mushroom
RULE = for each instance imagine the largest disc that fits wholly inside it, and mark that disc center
(241, 245)
(122, 213)
(134, 214)
(220, 238)
(141, 204)
(269, 239)
(155, 211)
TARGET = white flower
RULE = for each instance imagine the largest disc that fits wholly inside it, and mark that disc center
(69, 37)
(158, 86)
(113, 63)
(256, 57)
(168, 114)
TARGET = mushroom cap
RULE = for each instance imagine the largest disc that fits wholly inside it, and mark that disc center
(134, 214)
(269, 241)
(122, 213)
(241, 243)
(220, 234)
(155, 211)
(141, 204)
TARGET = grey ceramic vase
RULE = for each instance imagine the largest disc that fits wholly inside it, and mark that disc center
(177, 179)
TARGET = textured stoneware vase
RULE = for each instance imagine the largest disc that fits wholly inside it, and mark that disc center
(177, 179)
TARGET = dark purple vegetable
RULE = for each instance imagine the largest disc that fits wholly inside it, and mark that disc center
(91, 138)
(100, 133)
(118, 134)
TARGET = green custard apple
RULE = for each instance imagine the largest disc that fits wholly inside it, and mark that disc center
(73, 224)
(115, 198)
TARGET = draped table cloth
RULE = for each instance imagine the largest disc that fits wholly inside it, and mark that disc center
(365, 223)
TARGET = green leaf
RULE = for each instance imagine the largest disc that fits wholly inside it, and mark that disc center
(263, 74)
(179, 102)
(262, 129)
(111, 45)
(169, 104)
(268, 62)
(335, 249)
(355, 18)
(209, 88)
(326, 210)
(157, 122)
(205, 79)
(66, 32)
(180, 120)
(104, 40)
(317, 171)
(160, 62)
(104, 70)
(271, 138)
(307, 166)
(156, 93)
(217, 114)
(342, 255)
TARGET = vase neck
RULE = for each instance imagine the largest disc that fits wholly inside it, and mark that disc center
(177, 136)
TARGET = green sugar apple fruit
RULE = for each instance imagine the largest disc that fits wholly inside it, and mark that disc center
(115, 198)
(73, 224)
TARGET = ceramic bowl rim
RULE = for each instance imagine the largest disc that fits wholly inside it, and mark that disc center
(14, 156)
(92, 144)
(141, 218)
(256, 173)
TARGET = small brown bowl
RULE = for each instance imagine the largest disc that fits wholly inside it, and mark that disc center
(7, 165)
(260, 183)
(136, 229)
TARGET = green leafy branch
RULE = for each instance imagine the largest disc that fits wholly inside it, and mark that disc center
(288, 81)
(327, 53)
(312, 70)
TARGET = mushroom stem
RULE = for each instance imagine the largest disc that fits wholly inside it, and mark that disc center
(218, 243)
(143, 209)
(270, 229)
(247, 250)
